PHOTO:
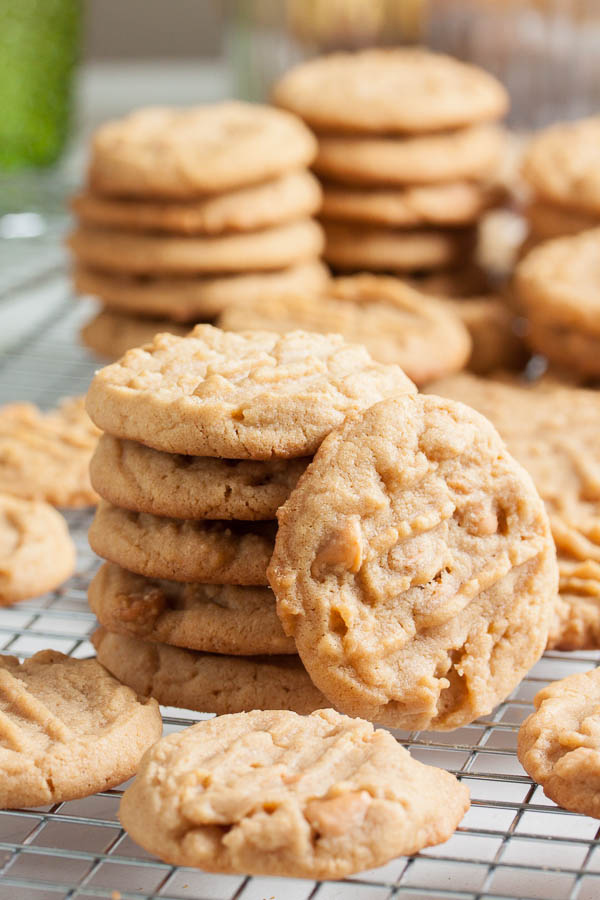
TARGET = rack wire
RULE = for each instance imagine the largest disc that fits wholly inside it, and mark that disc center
(513, 843)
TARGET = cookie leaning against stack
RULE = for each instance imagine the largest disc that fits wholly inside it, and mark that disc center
(205, 437)
(224, 214)
(406, 154)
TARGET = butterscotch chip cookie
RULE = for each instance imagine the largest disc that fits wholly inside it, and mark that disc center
(471, 153)
(209, 617)
(546, 220)
(274, 793)
(194, 299)
(136, 477)
(453, 203)
(214, 552)
(396, 323)
(562, 163)
(183, 153)
(112, 334)
(36, 551)
(400, 90)
(69, 729)
(238, 396)
(207, 682)
(352, 247)
(291, 196)
(559, 744)
(138, 253)
(414, 566)
(552, 430)
(45, 456)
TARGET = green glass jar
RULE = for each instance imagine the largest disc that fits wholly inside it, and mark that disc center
(38, 50)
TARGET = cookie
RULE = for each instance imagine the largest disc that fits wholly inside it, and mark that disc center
(137, 253)
(496, 345)
(552, 431)
(69, 729)
(214, 618)
(214, 552)
(194, 299)
(573, 349)
(291, 196)
(414, 566)
(562, 164)
(354, 247)
(45, 456)
(453, 203)
(559, 743)
(136, 477)
(112, 334)
(238, 396)
(385, 162)
(274, 793)
(469, 281)
(207, 682)
(36, 551)
(547, 221)
(180, 154)
(395, 323)
(403, 90)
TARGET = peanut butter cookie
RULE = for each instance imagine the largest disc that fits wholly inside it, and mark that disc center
(355, 247)
(111, 334)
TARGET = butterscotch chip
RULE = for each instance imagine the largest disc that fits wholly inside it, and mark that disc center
(559, 744)
(207, 682)
(36, 551)
(452, 203)
(546, 220)
(274, 793)
(209, 617)
(353, 247)
(112, 334)
(45, 456)
(194, 299)
(396, 323)
(213, 552)
(136, 477)
(69, 729)
(138, 253)
(552, 430)
(400, 90)
(562, 164)
(470, 153)
(238, 396)
(291, 196)
(183, 153)
(414, 566)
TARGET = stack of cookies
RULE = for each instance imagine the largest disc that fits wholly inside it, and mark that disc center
(561, 168)
(407, 154)
(188, 210)
(205, 436)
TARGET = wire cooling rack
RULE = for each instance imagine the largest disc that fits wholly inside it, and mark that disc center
(514, 843)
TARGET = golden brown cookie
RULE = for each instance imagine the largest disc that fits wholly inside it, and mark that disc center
(383, 161)
(559, 743)
(36, 551)
(390, 90)
(211, 552)
(111, 334)
(69, 729)
(214, 618)
(45, 456)
(194, 299)
(184, 153)
(291, 196)
(239, 396)
(354, 247)
(207, 682)
(274, 793)
(414, 566)
(136, 477)
(573, 349)
(546, 220)
(395, 323)
(496, 345)
(137, 253)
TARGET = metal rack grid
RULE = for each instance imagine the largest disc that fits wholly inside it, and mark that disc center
(513, 843)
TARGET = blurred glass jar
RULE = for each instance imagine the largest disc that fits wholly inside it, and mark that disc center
(38, 50)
